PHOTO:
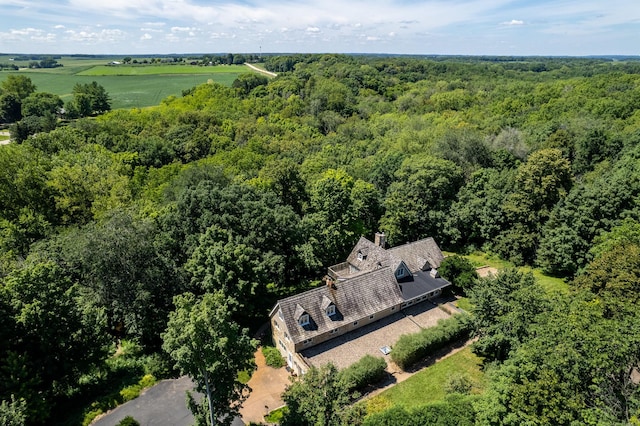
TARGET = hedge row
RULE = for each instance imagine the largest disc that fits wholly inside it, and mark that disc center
(367, 371)
(455, 410)
(412, 348)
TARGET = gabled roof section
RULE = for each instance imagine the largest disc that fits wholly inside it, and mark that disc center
(357, 298)
(298, 312)
(373, 257)
(419, 255)
(326, 302)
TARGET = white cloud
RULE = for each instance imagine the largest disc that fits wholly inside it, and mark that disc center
(150, 30)
(313, 29)
(513, 22)
(146, 36)
(181, 29)
(373, 38)
(26, 32)
(88, 36)
(59, 27)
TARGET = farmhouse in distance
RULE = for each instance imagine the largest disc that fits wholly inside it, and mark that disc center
(371, 284)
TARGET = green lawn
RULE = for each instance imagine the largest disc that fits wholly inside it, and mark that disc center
(428, 385)
(550, 284)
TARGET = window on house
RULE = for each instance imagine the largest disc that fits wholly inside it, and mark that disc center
(355, 323)
(393, 308)
(400, 273)
(281, 344)
(306, 342)
(280, 314)
(286, 336)
(334, 331)
(360, 257)
(331, 310)
(371, 316)
(276, 324)
(304, 319)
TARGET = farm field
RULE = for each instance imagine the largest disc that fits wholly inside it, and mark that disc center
(162, 70)
(129, 86)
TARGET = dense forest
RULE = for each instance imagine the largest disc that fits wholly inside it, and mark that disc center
(251, 191)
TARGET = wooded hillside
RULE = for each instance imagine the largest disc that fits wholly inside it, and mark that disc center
(253, 190)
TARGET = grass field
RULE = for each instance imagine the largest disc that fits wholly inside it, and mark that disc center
(550, 284)
(163, 70)
(129, 86)
(428, 385)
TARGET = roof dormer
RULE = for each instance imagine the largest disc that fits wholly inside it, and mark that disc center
(402, 271)
(328, 306)
(301, 316)
(362, 253)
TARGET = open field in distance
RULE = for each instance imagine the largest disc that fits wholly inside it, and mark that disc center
(162, 70)
(129, 86)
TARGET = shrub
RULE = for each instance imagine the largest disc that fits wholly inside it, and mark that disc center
(272, 357)
(367, 371)
(133, 391)
(129, 421)
(454, 410)
(276, 415)
(411, 348)
(458, 383)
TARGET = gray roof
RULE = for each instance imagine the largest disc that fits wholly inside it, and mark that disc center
(373, 256)
(421, 282)
(354, 299)
(365, 287)
(419, 255)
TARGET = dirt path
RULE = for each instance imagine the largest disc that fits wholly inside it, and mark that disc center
(260, 70)
(267, 384)
(5, 141)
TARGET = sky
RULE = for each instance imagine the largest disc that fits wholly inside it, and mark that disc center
(443, 27)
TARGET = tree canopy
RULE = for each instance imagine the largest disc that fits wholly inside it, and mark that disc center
(243, 195)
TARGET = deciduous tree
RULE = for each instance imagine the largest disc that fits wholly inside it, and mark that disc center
(208, 346)
(316, 399)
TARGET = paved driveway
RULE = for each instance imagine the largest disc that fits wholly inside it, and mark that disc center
(161, 405)
(344, 350)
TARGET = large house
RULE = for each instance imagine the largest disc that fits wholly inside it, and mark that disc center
(373, 283)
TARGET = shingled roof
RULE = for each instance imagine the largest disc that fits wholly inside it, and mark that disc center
(359, 297)
(419, 255)
(366, 284)
(367, 256)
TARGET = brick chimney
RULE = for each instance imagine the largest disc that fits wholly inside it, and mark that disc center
(380, 239)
